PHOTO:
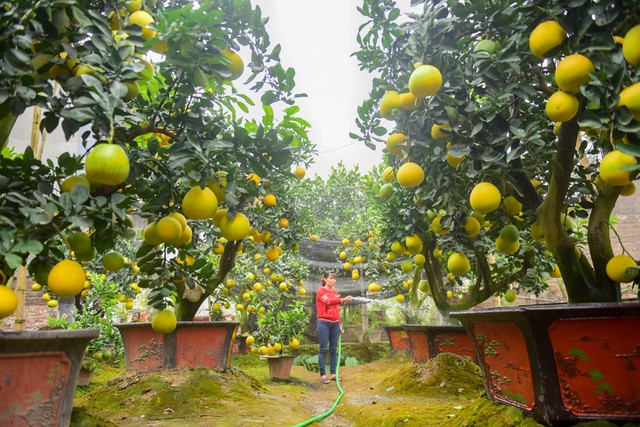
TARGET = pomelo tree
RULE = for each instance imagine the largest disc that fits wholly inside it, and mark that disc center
(513, 130)
(151, 88)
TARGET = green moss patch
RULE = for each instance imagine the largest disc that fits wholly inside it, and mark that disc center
(445, 375)
(158, 394)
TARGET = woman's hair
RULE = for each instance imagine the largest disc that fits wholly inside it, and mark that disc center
(325, 276)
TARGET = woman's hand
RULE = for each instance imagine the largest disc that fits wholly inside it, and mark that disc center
(341, 329)
(347, 298)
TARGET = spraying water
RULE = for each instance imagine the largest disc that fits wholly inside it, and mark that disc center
(361, 300)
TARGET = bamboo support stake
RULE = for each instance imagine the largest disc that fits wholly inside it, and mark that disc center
(21, 287)
(37, 145)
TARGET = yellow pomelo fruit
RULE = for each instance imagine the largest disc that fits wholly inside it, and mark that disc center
(169, 229)
(631, 46)
(66, 278)
(295, 343)
(185, 237)
(269, 200)
(454, 161)
(181, 219)
(112, 261)
(510, 295)
(449, 293)
(425, 80)
(79, 242)
(72, 181)
(610, 168)
(437, 228)
(236, 65)
(617, 269)
(409, 102)
(400, 298)
(250, 340)
(199, 203)
(630, 98)
(410, 175)
(396, 144)
(507, 247)
(283, 222)
(147, 72)
(441, 131)
(236, 228)
(562, 107)
(472, 227)
(151, 235)
(628, 189)
(8, 301)
(164, 322)
(313, 238)
(511, 205)
(413, 243)
(419, 259)
(485, 45)
(484, 198)
(86, 256)
(300, 172)
(573, 71)
(133, 5)
(536, 232)
(458, 264)
(219, 185)
(556, 274)
(52, 303)
(272, 254)
(546, 39)
(217, 217)
(107, 164)
(388, 174)
(389, 101)
(509, 233)
(133, 90)
(142, 19)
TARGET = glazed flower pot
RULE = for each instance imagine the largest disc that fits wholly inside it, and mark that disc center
(190, 345)
(280, 366)
(84, 376)
(561, 363)
(240, 345)
(398, 339)
(38, 374)
(427, 341)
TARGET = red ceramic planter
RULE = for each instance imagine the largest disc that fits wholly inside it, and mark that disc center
(561, 363)
(398, 339)
(280, 366)
(190, 345)
(426, 341)
(38, 373)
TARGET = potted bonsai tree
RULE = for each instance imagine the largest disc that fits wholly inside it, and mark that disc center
(513, 132)
(279, 331)
(161, 132)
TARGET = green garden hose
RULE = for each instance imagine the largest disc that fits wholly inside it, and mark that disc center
(335, 404)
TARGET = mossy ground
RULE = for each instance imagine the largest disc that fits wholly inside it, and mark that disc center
(446, 391)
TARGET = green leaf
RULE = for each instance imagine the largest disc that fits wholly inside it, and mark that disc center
(13, 260)
(28, 246)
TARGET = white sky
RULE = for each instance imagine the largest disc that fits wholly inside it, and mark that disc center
(317, 39)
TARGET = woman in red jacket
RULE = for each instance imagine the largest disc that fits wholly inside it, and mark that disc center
(329, 324)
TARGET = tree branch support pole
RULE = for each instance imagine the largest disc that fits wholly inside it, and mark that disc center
(37, 146)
